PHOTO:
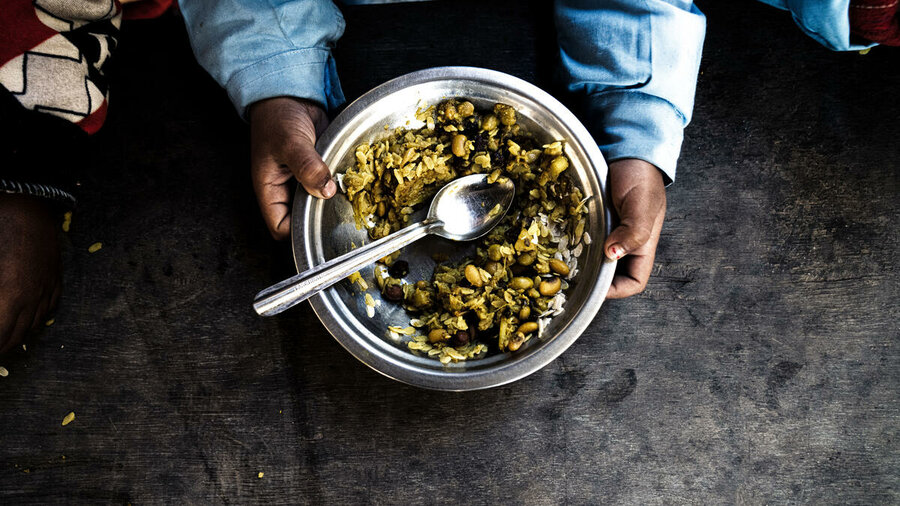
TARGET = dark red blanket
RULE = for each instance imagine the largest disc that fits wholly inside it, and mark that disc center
(876, 20)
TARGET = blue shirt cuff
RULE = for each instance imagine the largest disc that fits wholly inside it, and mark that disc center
(308, 73)
(631, 124)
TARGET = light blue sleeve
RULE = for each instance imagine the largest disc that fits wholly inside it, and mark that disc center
(826, 21)
(635, 64)
(260, 49)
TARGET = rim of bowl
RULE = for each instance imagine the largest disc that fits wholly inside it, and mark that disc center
(363, 347)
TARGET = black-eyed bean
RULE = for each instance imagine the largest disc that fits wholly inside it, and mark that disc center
(528, 327)
(550, 287)
(458, 146)
(521, 283)
(515, 341)
(494, 253)
(559, 267)
(506, 113)
(489, 122)
(465, 109)
(526, 258)
(524, 313)
(473, 276)
(438, 335)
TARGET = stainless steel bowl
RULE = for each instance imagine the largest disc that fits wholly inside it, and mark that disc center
(323, 229)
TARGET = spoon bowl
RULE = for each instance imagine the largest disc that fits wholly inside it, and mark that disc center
(464, 209)
(469, 207)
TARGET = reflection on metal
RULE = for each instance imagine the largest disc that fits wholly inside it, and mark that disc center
(459, 211)
(324, 229)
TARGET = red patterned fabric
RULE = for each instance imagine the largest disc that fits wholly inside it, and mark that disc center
(20, 29)
(876, 20)
(52, 54)
(147, 9)
(92, 122)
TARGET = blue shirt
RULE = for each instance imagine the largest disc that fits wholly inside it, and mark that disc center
(635, 62)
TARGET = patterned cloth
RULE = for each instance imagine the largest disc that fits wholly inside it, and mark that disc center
(53, 92)
(52, 54)
(876, 20)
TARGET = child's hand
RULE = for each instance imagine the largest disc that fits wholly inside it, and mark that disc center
(29, 266)
(283, 133)
(639, 197)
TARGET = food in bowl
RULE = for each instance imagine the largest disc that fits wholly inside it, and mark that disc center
(508, 290)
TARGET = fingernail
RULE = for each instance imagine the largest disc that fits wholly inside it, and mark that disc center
(616, 251)
(329, 189)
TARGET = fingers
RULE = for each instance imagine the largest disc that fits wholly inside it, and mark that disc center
(283, 133)
(271, 183)
(633, 232)
(308, 167)
(633, 271)
(639, 198)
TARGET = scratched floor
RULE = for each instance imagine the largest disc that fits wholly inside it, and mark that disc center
(759, 367)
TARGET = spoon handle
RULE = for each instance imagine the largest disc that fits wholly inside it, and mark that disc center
(292, 291)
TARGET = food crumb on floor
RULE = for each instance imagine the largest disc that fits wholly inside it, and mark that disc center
(68, 419)
(260, 475)
(93, 248)
(4, 372)
(49, 322)
(67, 221)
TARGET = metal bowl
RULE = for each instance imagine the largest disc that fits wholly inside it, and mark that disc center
(324, 229)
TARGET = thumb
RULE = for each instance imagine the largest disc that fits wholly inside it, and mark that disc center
(635, 227)
(308, 167)
(639, 198)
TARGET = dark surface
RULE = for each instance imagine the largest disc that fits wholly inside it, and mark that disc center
(760, 366)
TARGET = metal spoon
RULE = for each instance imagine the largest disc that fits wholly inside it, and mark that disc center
(465, 209)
